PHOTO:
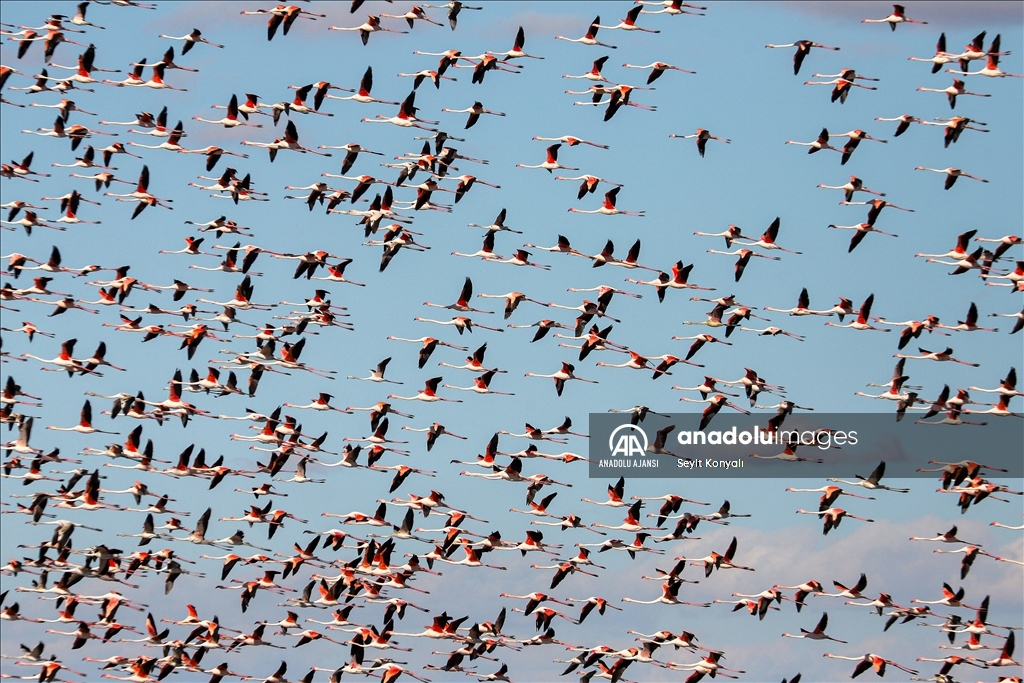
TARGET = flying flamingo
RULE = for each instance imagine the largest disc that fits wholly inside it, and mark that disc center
(871, 482)
(517, 48)
(289, 141)
(872, 661)
(803, 48)
(951, 175)
(669, 596)
(744, 258)
(231, 120)
(898, 16)
(191, 40)
(953, 91)
(589, 183)
(629, 22)
(572, 141)
(854, 139)
(905, 121)
(85, 424)
(818, 633)
(595, 72)
(608, 207)
(1007, 387)
(673, 7)
(767, 240)
(481, 385)
(863, 318)
(941, 356)
(590, 38)
(842, 84)
(701, 136)
(474, 112)
(832, 517)
(818, 145)
(416, 13)
(941, 56)
(551, 162)
(861, 231)
(371, 25)
(854, 185)
(428, 393)
(970, 324)
(563, 375)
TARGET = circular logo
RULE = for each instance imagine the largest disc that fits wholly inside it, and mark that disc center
(628, 440)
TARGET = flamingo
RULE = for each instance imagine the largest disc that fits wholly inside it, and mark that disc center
(953, 91)
(475, 112)
(843, 83)
(64, 362)
(854, 139)
(572, 141)
(608, 207)
(595, 72)
(669, 596)
(283, 16)
(657, 69)
(1001, 409)
(832, 517)
(84, 425)
(951, 175)
(566, 373)
(551, 162)
(517, 48)
(76, 132)
(803, 48)
(818, 633)
(629, 22)
(905, 121)
(861, 231)
(941, 356)
(454, 8)
(191, 40)
(231, 120)
(289, 141)
(406, 117)
(371, 25)
(744, 258)
(954, 127)
(427, 394)
(871, 482)
(481, 385)
(672, 7)
(854, 185)
(767, 240)
(1007, 387)
(589, 183)
(416, 13)
(941, 57)
(970, 324)
(818, 145)
(898, 16)
(701, 136)
(863, 318)
(872, 661)
(590, 37)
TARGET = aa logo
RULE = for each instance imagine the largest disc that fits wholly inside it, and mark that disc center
(627, 440)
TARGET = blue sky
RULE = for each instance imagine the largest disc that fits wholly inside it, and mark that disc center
(742, 92)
